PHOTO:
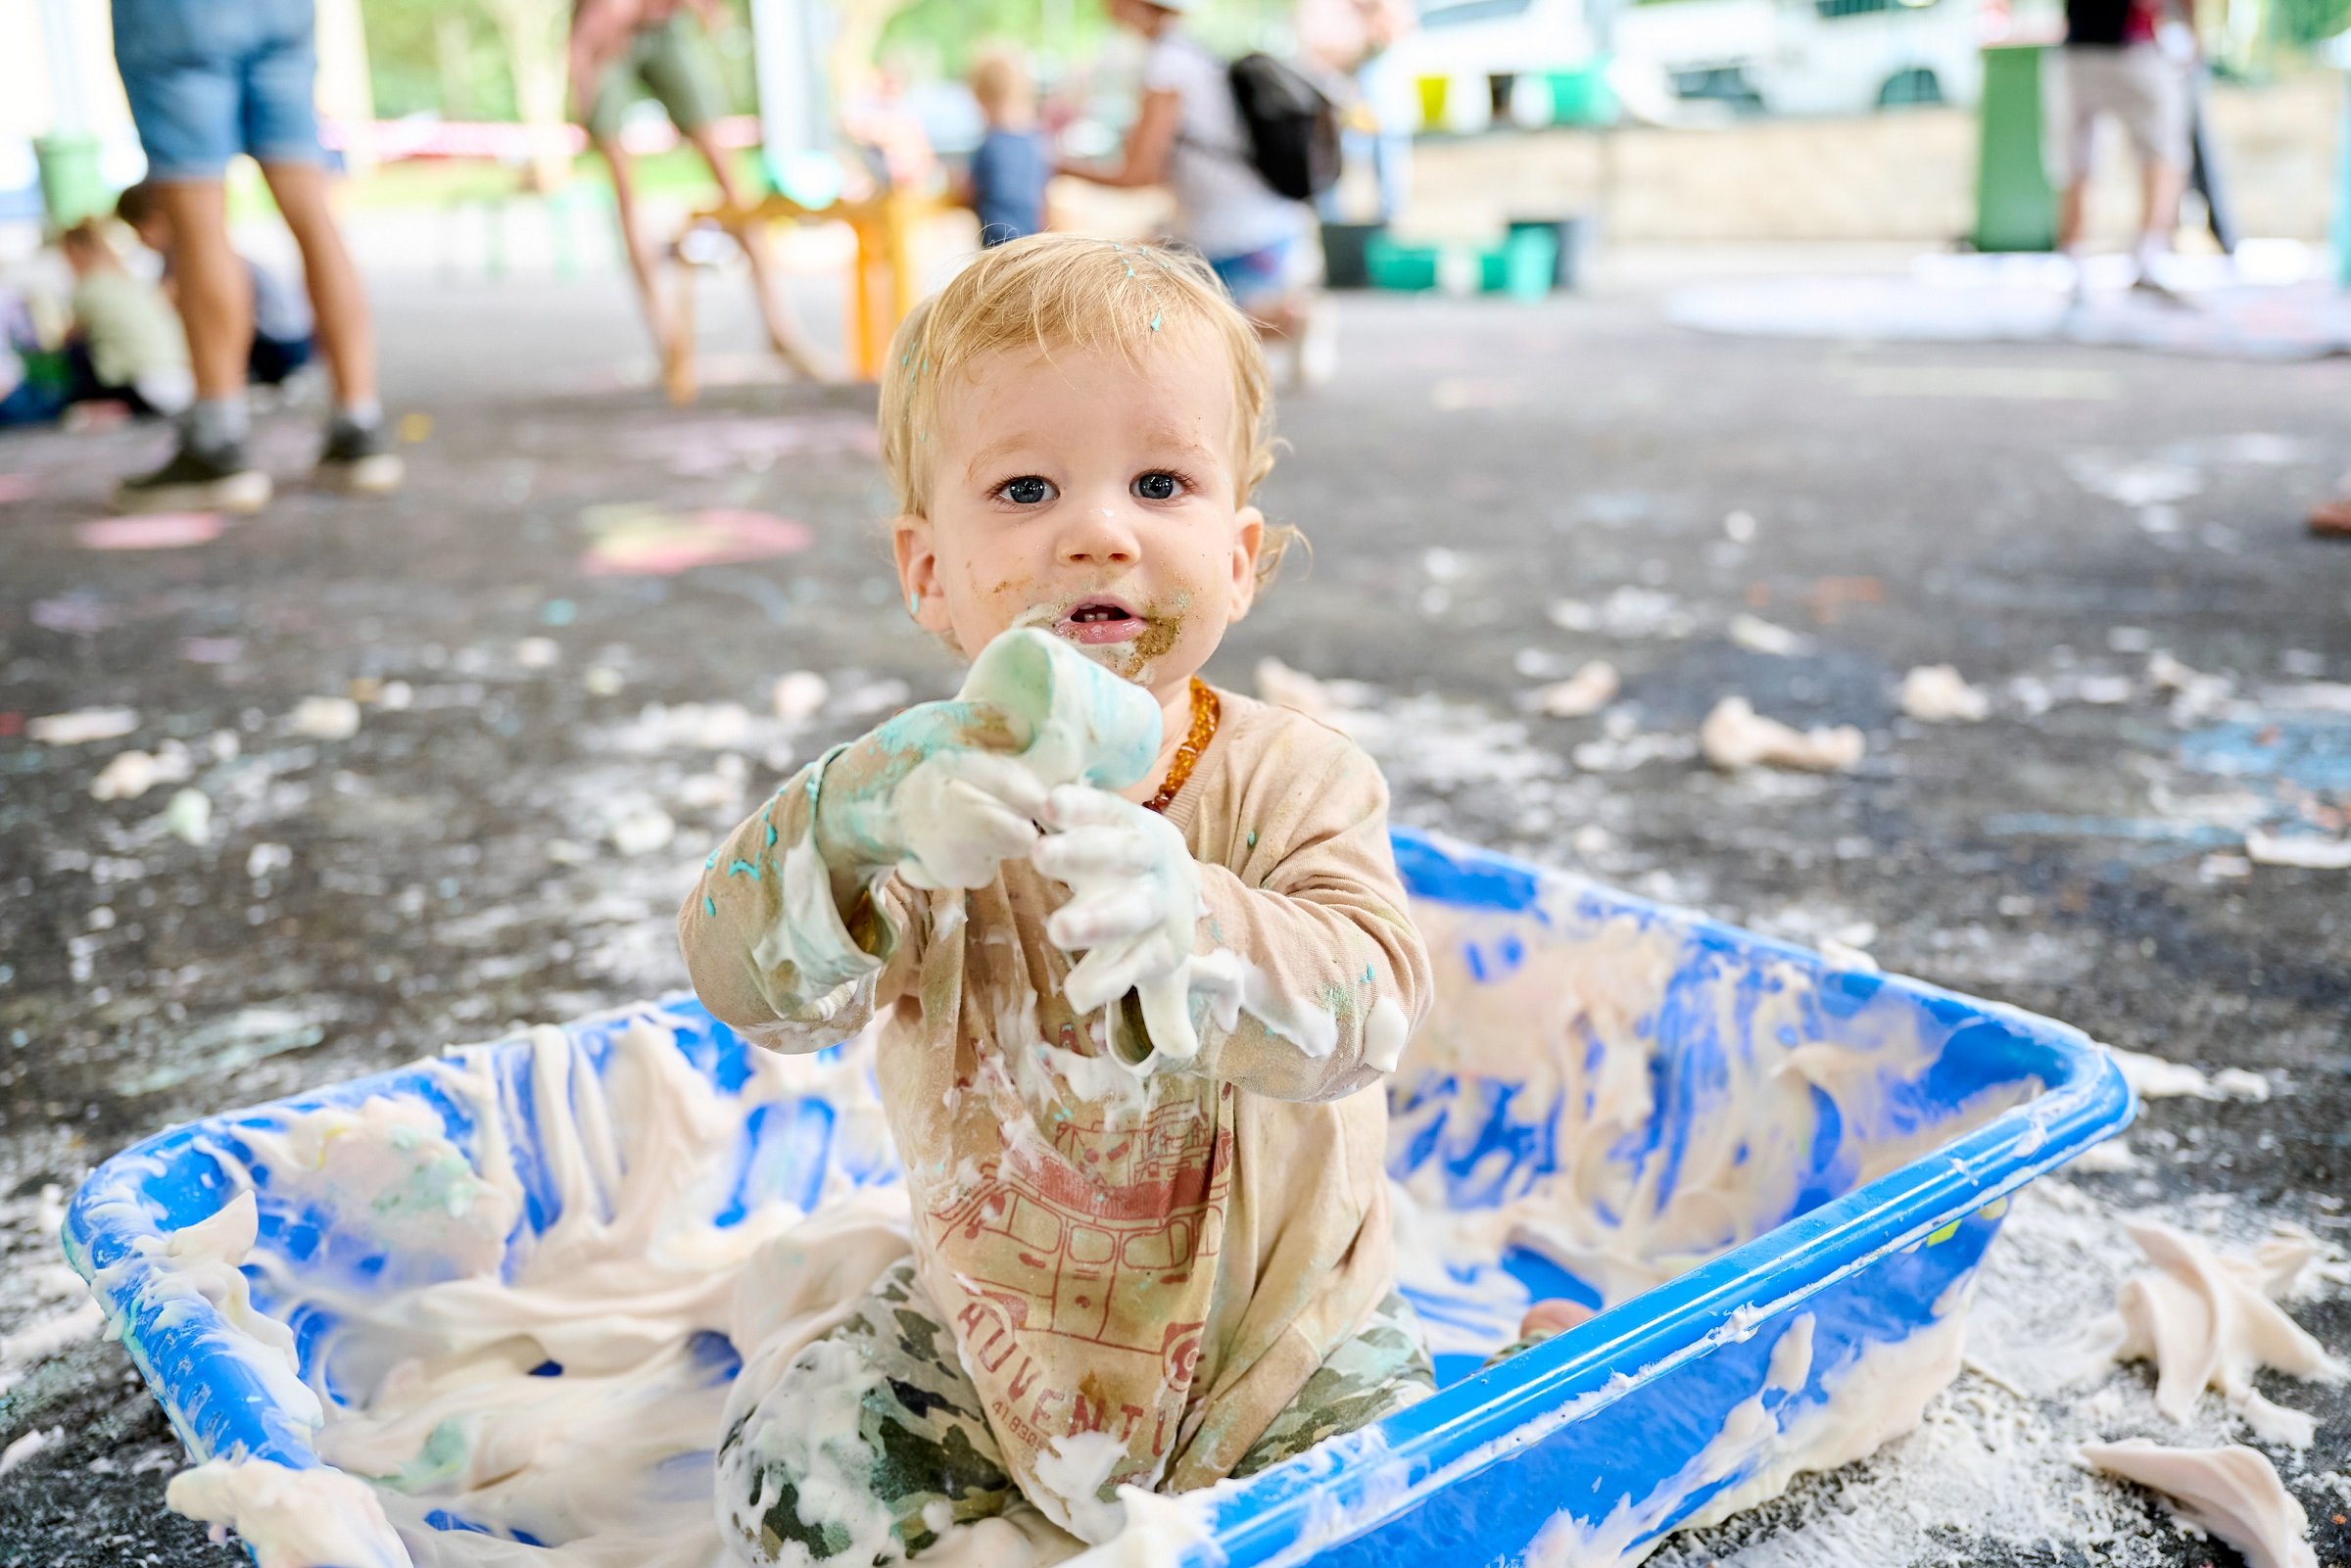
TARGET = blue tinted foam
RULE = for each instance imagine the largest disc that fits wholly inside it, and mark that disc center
(1615, 1409)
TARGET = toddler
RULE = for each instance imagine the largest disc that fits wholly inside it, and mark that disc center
(1006, 184)
(125, 345)
(284, 332)
(1137, 946)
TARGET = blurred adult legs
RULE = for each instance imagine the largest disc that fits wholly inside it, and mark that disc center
(346, 336)
(784, 330)
(216, 297)
(644, 265)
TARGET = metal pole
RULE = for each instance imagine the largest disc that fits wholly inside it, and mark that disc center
(2342, 179)
(787, 57)
(69, 112)
(72, 186)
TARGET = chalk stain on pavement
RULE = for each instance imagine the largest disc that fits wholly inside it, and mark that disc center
(637, 541)
(154, 531)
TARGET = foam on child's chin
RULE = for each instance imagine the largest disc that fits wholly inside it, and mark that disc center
(1134, 659)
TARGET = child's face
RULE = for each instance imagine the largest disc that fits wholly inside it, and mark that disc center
(1092, 496)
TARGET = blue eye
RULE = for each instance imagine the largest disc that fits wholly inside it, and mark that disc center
(1157, 487)
(1027, 491)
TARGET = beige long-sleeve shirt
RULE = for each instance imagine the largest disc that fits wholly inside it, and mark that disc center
(1162, 1260)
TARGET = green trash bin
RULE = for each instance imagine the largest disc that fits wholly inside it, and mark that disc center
(1406, 268)
(2016, 210)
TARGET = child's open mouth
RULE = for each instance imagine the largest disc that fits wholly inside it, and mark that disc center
(1100, 620)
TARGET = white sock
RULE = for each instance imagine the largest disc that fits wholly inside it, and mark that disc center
(217, 422)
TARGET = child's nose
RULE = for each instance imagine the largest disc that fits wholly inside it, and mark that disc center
(1100, 536)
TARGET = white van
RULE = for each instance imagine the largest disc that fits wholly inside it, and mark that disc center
(1847, 57)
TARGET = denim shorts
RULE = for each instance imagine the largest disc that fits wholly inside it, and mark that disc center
(1255, 276)
(208, 79)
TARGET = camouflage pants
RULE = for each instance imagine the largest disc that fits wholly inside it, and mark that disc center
(923, 1456)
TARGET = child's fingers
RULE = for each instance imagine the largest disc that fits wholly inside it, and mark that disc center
(1003, 832)
(1087, 852)
(1110, 916)
(1167, 1019)
(1003, 779)
(1097, 979)
(1073, 806)
(1110, 971)
(959, 836)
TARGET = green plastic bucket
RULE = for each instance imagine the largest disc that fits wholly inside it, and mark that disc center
(1406, 268)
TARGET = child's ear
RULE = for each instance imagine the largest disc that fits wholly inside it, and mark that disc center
(911, 541)
(1248, 539)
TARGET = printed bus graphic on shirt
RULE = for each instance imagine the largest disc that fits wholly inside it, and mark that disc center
(1072, 1242)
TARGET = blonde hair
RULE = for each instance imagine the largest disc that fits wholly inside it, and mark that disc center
(1067, 292)
(999, 79)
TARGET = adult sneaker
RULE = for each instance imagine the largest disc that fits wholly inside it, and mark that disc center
(218, 479)
(360, 459)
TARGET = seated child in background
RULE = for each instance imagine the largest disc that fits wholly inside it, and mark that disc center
(1006, 184)
(284, 333)
(25, 396)
(125, 344)
(1132, 1062)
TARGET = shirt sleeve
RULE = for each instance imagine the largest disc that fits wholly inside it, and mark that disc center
(771, 953)
(1172, 66)
(1331, 976)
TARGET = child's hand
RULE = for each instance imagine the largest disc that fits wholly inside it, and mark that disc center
(937, 792)
(1134, 904)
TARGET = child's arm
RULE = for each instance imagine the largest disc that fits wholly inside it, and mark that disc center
(788, 924)
(1298, 976)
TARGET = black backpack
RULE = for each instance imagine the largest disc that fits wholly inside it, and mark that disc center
(1293, 129)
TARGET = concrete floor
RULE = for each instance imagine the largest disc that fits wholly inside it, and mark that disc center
(449, 868)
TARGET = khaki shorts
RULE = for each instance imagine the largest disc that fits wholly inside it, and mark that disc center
(672, 61)
(2134, 84)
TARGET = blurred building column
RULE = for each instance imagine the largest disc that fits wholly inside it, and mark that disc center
(2342, 170)
(72, 186)
(790, 39)
(345, 95)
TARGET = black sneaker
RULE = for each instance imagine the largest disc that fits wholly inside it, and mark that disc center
(197, 480)
(360, 459)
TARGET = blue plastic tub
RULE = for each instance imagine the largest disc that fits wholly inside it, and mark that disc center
(1812, 1159)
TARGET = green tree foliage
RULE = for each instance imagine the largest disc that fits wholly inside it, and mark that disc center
(446, 57)
(436, 56)
(940, 36)
(2300, 23)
